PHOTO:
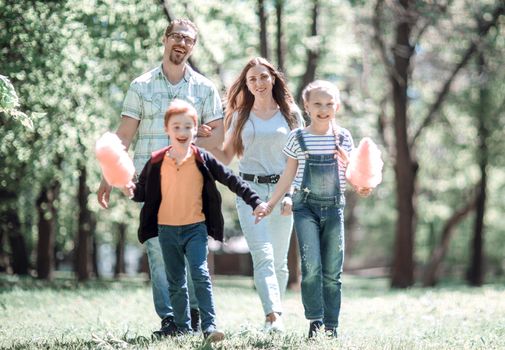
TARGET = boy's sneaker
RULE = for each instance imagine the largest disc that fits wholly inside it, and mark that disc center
(213, 335)
(331, 332)
(195, 320)
(314, 327)
(274, 326)
(168, 328)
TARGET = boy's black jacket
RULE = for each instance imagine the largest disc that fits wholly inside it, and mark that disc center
(148, 190)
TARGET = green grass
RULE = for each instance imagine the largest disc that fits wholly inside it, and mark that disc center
(118, 315)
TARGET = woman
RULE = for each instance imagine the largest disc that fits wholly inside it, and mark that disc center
(260, 113)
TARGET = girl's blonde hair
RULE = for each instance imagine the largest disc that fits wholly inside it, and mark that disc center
(320, 85)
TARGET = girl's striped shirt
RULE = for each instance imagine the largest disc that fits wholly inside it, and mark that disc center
(318, 144)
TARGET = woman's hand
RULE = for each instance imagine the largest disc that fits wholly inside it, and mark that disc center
(287, 206)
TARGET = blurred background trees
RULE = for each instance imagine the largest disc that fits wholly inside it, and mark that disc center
(424, 79)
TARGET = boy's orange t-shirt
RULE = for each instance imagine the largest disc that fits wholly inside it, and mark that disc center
(181, 193)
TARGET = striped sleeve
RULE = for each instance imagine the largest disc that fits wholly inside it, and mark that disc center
(348, 142)
(292, 147)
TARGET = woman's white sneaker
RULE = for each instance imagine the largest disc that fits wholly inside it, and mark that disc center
(274, 326)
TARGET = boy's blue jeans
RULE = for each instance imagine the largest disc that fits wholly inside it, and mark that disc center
(320, 231)
(191, 241)
(159, 281)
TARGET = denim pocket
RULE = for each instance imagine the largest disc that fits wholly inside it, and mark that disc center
(297, 199)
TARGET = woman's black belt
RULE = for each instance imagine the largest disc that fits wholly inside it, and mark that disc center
(267, 179)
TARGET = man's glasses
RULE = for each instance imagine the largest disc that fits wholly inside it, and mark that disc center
(178, 38)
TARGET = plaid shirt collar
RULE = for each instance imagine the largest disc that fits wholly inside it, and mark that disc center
(188, 71)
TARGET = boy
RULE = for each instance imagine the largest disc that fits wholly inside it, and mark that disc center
(182, 206)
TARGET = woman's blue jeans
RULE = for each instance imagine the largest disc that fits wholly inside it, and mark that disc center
(268, 242)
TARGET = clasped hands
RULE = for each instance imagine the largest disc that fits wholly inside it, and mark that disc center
(263, 209)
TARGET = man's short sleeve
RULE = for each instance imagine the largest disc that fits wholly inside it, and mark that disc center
(132, 104)
(212, 107)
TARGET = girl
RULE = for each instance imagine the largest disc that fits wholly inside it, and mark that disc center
(260, 113)
(317, 159)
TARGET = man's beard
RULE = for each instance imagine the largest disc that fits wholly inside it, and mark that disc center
(176, 58)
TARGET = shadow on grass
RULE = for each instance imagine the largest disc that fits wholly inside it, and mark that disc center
(68, 282)
(354, 285)
(107, 342)
(358, 287)
(62, 282)
(237, 282)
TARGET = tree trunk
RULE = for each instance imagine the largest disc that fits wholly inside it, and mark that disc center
(263, 29)
(295, 272)
(144, 264)
(20, 262)
(312, 54)
(46, 208)
(10, 229)
(350, 224)
(432, 270)
(83, 239)
(476, 269)
(281, 45)
(120, 250)
(94, 246)
(402, 274)
(4, 262)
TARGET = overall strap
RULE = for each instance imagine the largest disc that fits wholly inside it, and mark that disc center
(339, 138)
(301, 142)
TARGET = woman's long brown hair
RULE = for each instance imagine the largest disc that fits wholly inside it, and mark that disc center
(241, 100)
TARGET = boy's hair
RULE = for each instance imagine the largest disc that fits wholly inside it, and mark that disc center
(181, 107)
(320, 85)
(181, 21)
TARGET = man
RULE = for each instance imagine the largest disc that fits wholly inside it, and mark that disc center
(143, 111)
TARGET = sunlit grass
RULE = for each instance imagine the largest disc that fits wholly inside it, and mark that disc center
(109, 314)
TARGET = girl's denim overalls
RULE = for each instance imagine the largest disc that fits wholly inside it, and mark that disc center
(318, 208)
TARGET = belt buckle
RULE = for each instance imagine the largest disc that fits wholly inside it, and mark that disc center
(274, 179)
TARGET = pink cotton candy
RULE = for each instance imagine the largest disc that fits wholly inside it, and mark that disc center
(365, 165)
(117, 166)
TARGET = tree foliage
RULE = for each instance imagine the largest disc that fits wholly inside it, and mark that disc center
(71, 63)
